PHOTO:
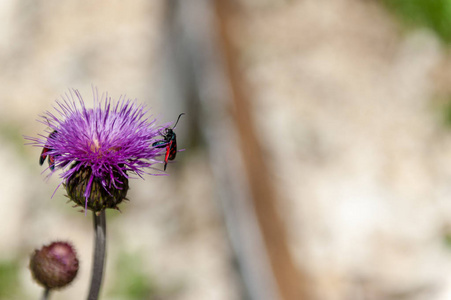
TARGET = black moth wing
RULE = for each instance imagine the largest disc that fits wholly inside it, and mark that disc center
(173, 149)
(43, 156)
(45, 151)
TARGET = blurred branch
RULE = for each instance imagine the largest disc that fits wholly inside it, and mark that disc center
(204, 71)
(292, 284)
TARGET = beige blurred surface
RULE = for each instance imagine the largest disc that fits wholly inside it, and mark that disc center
(344, 106)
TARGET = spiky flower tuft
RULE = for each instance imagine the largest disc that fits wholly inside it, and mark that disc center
(98, 148)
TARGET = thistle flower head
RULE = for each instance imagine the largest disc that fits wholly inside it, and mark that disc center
(98, 148)
(55, 265)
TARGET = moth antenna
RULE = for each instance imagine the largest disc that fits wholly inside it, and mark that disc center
(178, 120)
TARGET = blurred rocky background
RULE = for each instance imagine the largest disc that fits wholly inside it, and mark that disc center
(317, 137)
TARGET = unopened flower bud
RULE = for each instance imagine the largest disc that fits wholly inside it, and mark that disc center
(55, 265)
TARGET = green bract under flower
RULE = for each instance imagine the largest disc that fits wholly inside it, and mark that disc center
(99, 197)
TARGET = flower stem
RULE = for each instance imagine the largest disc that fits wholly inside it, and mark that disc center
(46, 294)
(99, 255)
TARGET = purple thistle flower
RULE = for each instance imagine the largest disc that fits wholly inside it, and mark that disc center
(97, 148)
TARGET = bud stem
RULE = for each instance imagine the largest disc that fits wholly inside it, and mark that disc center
(99, 254)
(46, 294)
